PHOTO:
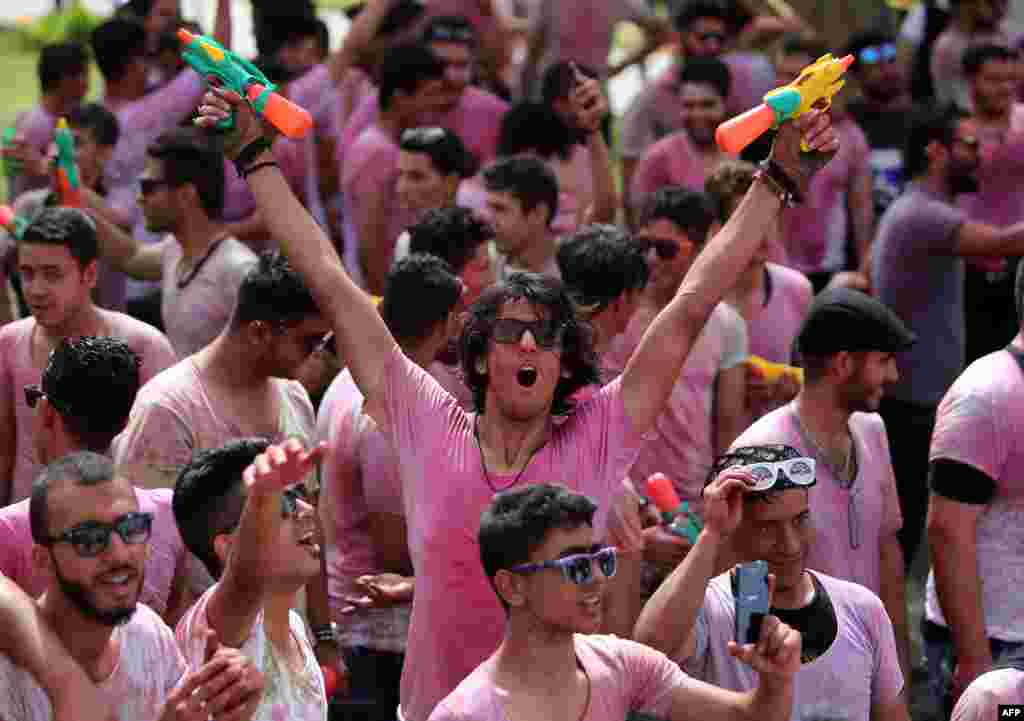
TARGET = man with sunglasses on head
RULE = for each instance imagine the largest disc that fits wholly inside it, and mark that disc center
(883, 110)
(757, 508)
(242, 511)
(707, 407)
(83, 401)
(523, 355)
(92, 540)
(538, 548)
(848, 345)
(57, 261)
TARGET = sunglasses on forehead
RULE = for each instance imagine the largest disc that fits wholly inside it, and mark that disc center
(546, 334)
(92, 538)
(792, 473)
(578, 568)
(423, 136)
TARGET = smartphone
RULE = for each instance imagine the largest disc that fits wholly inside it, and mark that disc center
(751, 592)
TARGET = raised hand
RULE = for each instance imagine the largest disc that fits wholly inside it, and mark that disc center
(589, 102)
(777, 651)
(813, 130)
(280, 466)
(723, 501)
(218, 104)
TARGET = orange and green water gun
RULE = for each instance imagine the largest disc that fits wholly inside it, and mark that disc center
(12, 222)
(209, 58)
(69, 182)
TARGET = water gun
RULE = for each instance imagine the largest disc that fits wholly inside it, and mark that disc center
(69, 182)
(773, 371)
(12, 223)
(675, 514)
(208, 57)
(11, 166)
(813, 88)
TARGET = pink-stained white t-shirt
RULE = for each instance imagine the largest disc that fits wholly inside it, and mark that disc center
(775, 324)
(371, 171)
(148, 669)
(166, 550)
(359, 476)
(287, 696)
(196, 313)
(174, 417)
(980, 423)
(670, 161)
(457, 621)
(816, 232)
(17, 371)
(981, 700)
(476, 119)
(1000, 197)
(624, 677)
(575, 188)
(684, 449)
(867, 513)
(36, 128)
(858, 672)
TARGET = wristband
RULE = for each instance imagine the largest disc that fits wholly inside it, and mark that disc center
(253, 168)
(779, 183)
(249, 153)
(328, 633)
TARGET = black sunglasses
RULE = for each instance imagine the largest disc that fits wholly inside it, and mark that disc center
(547, 334)
(148, 186)
(449, 33)
(92, 538)
(666, 248)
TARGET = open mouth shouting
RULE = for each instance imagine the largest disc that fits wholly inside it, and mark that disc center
(526, 376)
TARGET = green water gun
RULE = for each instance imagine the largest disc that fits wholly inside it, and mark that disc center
(12, 222)
(69, 182)
(209, 58)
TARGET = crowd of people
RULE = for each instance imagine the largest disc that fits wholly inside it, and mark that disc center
(389, 403)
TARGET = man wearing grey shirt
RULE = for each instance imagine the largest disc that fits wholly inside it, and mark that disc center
(918, 271)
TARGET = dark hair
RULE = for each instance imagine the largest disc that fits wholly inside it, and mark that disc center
(82, 468)
(692, 211)
(797, 44)
(599, 263)
(209, 496)
(452, 233)
(274, 292)
(549, 298)
(447, 152)
(707, 71)
(976, 56)
(189, 157)
(559, 80)
(535, 127)
(60, 61)
(749, 455)
(115, 44)
(405, 68)
(97, 119)
(865, 39)
(294, 27)
(139, 8)
(727, 185)
(518, 522)
(1018, 294)
(928, 125)
(419, 292)
(92, 382)
(527, 179)
(449, 29)
(693, 10)
(68, 227)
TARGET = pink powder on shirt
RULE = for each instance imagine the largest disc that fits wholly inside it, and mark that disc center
(457, 621)
(624, 676)
(857, 674)
(876, 514)
(670, 161)
(149, 667)
(980, 423)
(775, 325)
(195, 314)
(286, 694)
(165, 560)
(18, 370)
(981, 700)
(684, 449)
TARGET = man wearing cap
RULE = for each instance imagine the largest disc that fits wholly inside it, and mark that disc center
(848, 344)
(974, 612)
(850, 668)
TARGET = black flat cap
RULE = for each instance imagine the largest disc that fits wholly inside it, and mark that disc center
(846, 319)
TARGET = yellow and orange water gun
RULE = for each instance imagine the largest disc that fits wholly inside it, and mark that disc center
(813, 88)
(772, 371)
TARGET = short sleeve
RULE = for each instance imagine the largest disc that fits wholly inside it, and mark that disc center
(636, 134)
(698, 663)
(651, 679)
(892, 515)
(966, 431)
(735, 344)
(981, 700)
(157, 442)
(887, 682)
(15, 563)
(652, 172)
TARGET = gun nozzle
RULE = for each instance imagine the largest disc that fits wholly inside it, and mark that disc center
(846, 62)
(185, 36)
